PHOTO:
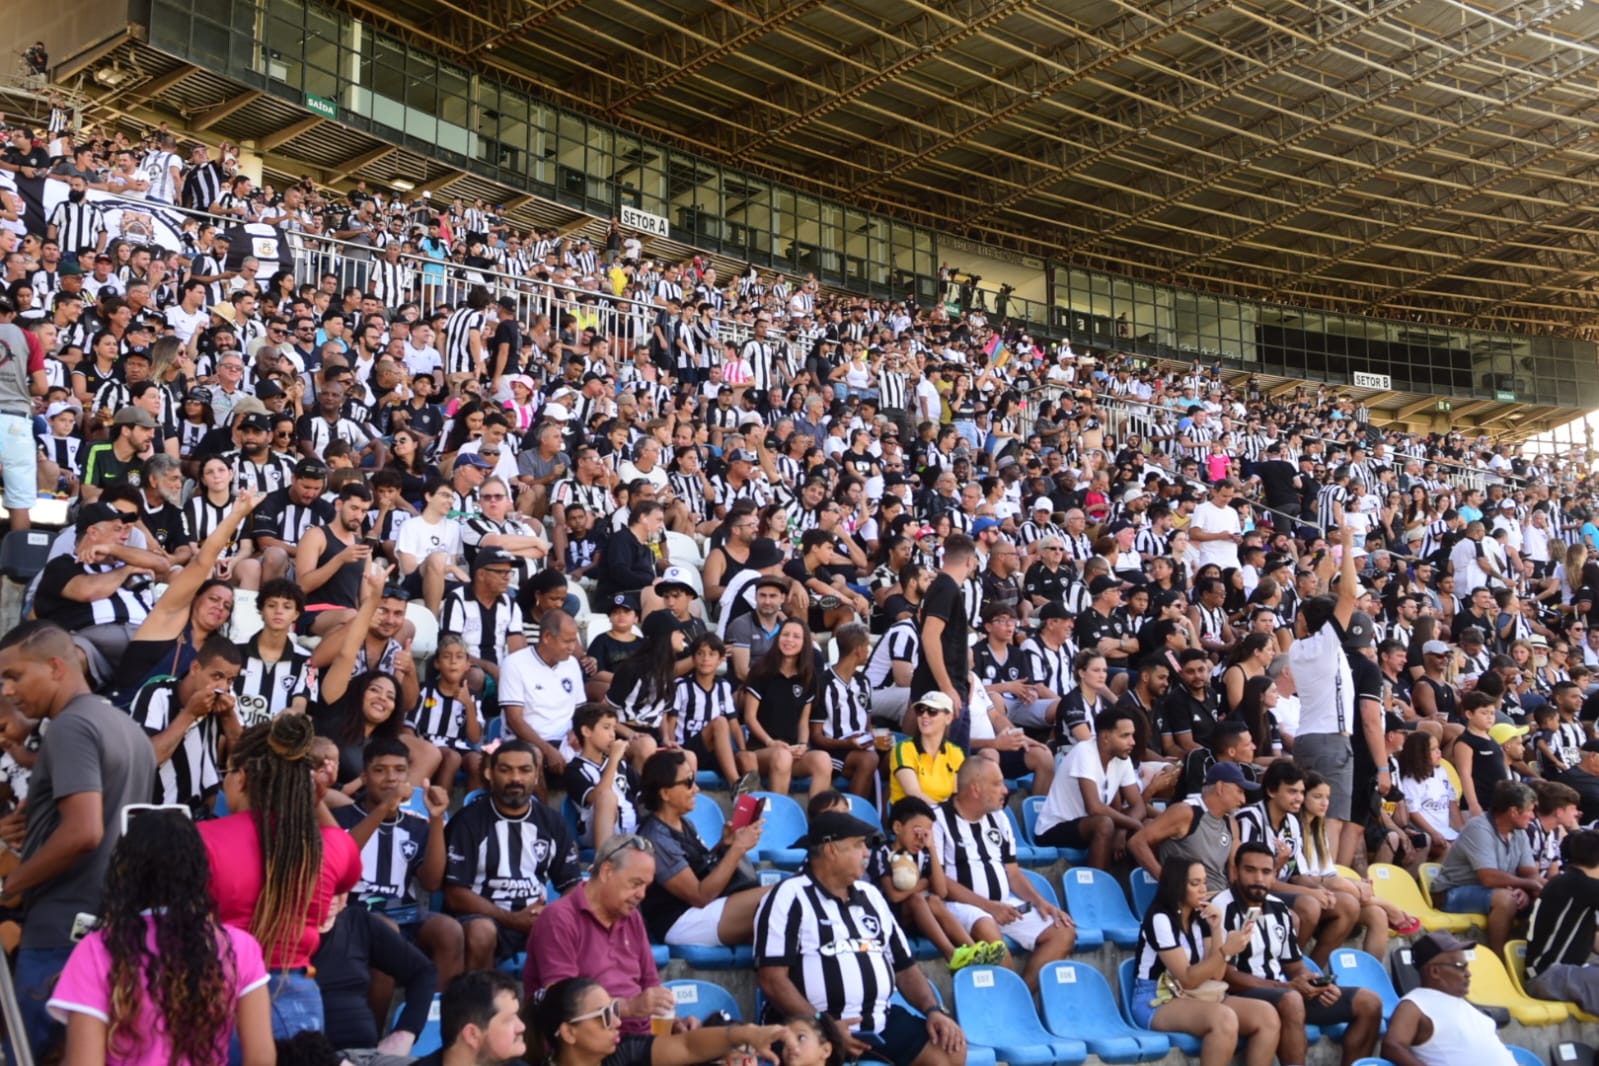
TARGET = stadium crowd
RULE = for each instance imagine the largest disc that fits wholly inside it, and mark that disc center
(404, 577)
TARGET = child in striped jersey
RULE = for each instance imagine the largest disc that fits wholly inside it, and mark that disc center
(703, 716)
(600, 780)
(446, 716)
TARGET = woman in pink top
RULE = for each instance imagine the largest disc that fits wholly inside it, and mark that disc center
(277, 862)
(161, 982)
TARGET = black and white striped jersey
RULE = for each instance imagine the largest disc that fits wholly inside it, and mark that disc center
(263, 690)
(390, 859)
(441, 719)
(1273, 942)
(842, 954)
(845, 707)
(901, 644)
(697, 707)
(583, 776)
(191, 773)
(484, 629)
(975, 853)
(507, 859)
(458, 329)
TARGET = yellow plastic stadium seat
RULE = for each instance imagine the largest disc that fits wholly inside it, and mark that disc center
(1395, 885)
(1454, 776)
(1516, 963)
(1429, 873)
(1347, 873)
(1491, 986)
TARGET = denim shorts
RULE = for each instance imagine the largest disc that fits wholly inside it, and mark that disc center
(1467, 899)
(19, 462)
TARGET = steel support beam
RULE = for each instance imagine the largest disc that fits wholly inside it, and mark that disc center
(211, 116)
(278, 138)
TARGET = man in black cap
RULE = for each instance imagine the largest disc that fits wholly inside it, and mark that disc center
(118, 461)
(826, 941)
(485, 615)
(1434, 1025)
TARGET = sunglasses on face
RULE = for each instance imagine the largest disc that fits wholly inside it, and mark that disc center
(610, 1015)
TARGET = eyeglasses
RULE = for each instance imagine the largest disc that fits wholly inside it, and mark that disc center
(492, 496)
(610, 1015)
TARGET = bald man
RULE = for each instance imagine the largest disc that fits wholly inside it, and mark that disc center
(93, 761)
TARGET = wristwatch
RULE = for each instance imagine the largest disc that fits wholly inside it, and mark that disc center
(936, 1008)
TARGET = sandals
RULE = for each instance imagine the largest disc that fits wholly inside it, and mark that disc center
(1409, 927)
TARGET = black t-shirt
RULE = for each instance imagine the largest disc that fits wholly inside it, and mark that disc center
(608, 652)
(1181, 712)
(1049, 584)
(168, 527)
(783, 698)
(944, 601)
(1093, 627)
(1277, 477)
(1368, 686)
(510, 334)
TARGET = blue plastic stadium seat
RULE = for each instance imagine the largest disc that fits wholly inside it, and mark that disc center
(1096, 901)
(865, 810)
(1353, 968)
(1088, 938)
(703, 958)
(1026, 853)
(1522, 1056)
(995, 1010)
(417, 804)
(1372, 1060)
(569, 814)
(661, 954)
(494, 730)
(701, 999)
(1030, 808)
(710, 779)
(785, 823)
(1187, 1043)
(708, 819)
(975, 1056)
(515, 964)
(1078, 1002)
(1143, 891)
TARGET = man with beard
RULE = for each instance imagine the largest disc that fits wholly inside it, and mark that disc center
(330, 556)
(162, 513)
(597, 932)
(256, 466)
(1271, 968)
(504, 847)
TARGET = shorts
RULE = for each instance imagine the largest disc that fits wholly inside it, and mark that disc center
(1029, 714)
(1063, 835)
(1142, 1006)
(1466, 899)
(1330, 755)
(696, 927)
(19, 462)
(1025, 930)
(1013, 764)
(509, 944)
(1316, 1013)
(900, 1041)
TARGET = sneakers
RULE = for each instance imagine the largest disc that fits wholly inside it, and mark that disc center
(750, 782)
(992, 953)
(984, 953)
(964, 956)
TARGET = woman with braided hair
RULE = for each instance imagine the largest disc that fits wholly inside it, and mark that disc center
(278, 861)
(161, 980)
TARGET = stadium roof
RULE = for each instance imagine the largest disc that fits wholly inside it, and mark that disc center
(1421, 159)
(1376, 155)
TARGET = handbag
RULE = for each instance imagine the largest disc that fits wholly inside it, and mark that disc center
(1169, 988)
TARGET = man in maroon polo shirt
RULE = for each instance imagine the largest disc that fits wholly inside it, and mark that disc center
(596, 931)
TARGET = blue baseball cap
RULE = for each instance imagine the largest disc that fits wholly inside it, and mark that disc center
(1231, 773)
(984, 524)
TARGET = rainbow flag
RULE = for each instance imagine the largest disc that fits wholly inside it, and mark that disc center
(998, 354)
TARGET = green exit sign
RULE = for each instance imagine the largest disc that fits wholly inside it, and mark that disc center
(321, 105)
(1504, 396)
(1445, 406)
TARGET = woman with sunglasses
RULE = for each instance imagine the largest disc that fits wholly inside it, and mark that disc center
(576, 1022)
(700, 897)
(405, 455)
(925, 765)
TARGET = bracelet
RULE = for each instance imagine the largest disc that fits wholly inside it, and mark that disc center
(936, 1008)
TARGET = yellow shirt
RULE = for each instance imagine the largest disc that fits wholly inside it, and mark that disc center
(934, 773)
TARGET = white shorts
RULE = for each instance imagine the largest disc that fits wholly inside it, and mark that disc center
(696, 927)
(19, 462)
(1025, 930)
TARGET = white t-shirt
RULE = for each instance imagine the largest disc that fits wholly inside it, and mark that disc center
(927, 400)
(184, 324)
(547, 694)
(422, 360)
(1432, 798)
(1213, 519)
(1322, 678)
(420, 538)
(1065, 800)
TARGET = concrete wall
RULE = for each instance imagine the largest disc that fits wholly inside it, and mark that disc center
(67, 27)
